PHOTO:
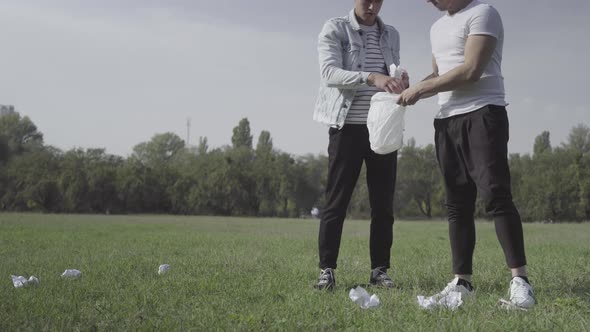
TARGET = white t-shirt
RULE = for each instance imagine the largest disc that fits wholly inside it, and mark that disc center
(448, 36)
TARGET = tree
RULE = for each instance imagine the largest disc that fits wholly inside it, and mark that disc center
(160, 149)
(419, 180)
(18, 134)
(579, 139)
(203, 146)
(264, 145)
(542, 144)
(241, 135)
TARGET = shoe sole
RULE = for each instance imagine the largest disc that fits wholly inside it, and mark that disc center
(321, 288)
(372, 283)
(505, 304)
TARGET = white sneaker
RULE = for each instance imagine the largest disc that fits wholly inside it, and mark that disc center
(452, 286)
(521, 293)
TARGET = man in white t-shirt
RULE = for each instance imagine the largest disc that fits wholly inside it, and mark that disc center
(471, 136)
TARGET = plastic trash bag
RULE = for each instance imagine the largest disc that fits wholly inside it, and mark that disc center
(71, 274)
(385, 120)
(361, 297)
(20, 281)
(164, 268)
(451, 301)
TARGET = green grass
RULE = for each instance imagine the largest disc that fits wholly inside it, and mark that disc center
(257, 274)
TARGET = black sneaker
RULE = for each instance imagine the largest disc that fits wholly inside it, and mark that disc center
(327, 280)
(380, 278)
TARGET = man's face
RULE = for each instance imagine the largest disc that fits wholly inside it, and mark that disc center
(442, 5)
(448, 5)
(367, 10)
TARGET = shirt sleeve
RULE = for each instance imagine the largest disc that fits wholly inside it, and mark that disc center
(486, 22)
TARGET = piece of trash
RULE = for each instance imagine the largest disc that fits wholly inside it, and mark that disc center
(164, 268)
(20, 281)
(71, 274)
(505, 304)
(361, 297)
(450, 301)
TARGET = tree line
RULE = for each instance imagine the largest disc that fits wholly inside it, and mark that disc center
(164, 175)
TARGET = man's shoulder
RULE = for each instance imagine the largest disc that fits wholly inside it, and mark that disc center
(484, 8)
(338, 21)
(390, 29)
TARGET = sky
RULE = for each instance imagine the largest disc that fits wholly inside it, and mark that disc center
(112, 73)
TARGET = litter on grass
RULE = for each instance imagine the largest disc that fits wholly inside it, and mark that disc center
(20, 281)
(73, 274)
(451, 301)
(164, 268)
(361, 297)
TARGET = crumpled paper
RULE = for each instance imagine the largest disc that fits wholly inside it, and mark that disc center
(71, 274)
(20, 281)
(450, 301)
(361, 297)
(164, 268)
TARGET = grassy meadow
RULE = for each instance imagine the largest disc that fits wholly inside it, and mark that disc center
(257, 274)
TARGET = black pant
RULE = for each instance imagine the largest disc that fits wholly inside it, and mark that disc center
(347, 149)
(472, 154)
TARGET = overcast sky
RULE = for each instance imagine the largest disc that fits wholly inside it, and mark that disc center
(112, 73)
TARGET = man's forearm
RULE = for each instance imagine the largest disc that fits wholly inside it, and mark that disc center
(452, 80)
(429, 94)
(335, 77)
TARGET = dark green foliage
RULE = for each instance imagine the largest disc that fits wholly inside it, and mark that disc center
(165, 176)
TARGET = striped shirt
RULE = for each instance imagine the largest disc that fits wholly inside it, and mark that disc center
(374, 63)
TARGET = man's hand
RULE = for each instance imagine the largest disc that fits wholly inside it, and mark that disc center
(386, 83)
(405, 79)
(410, 96)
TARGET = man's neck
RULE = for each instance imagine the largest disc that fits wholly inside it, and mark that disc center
(460, 8)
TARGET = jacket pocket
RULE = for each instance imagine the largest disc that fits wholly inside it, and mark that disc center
(351, 56)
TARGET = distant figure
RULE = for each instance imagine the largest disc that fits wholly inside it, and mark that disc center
(471, 136)
(315, 212)
(355, 52)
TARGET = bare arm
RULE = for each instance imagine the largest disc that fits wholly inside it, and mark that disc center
(429, 77)
(478, 52)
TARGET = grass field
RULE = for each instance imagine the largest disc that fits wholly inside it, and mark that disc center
(257, 274)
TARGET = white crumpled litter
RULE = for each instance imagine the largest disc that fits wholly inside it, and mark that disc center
(20, 281)
(164, 268)
(361, 297)
(451, 301)
(71, 274)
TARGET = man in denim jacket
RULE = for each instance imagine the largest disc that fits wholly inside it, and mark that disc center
(355, 53)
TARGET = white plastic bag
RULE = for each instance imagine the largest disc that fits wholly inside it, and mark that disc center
(20, 281)
(71, 273)
(361, 297)
(164, 268)
(386, 120)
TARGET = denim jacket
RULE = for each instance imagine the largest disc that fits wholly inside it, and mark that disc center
(342, 59)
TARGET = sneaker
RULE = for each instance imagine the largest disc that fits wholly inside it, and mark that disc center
(461, 286)
(327, 280)
(521, 293)
(380, 278)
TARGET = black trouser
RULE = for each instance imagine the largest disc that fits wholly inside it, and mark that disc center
(347, 149)
(472, 153)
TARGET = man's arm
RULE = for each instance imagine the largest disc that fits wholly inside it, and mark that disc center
(330, 58)
(478, 52)
(431, 76)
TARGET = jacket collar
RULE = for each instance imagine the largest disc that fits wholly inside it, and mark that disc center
(355, 24)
